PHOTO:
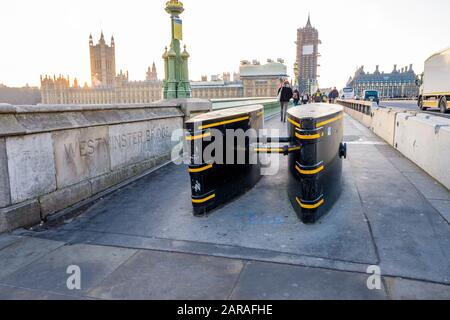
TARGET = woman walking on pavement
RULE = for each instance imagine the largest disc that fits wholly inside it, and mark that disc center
(285, 95)
(305, 98)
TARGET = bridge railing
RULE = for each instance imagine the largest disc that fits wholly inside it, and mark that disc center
(364, 107)
(400, 99)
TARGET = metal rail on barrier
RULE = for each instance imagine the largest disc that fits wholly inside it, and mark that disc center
(357, 105)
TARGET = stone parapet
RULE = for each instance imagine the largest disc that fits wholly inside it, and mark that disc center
(55, 156)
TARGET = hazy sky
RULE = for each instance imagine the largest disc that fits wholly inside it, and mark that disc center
(51, 36)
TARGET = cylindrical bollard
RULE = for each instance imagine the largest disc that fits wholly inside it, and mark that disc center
(223, 164)
(316, 170)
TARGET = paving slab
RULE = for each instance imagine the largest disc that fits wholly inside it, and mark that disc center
(401, 163)
(23, 252)
(443, 207)
(8, 239)
(50, 272)
(411, 236)
(429, 187)
(403, 289)
(159, 275)
(13, 293)
(266, 281)
(271, 225)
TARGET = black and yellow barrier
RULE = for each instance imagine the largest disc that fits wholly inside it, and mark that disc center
(316, 170)
(214, 180)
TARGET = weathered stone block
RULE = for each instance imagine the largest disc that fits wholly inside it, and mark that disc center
(64, 198)
(5, 197)
(31, 166)
(193, 106)
(109, 180)
(10, 126)
(80, 154)
(137, 142)
(25, 214)
(46, 121)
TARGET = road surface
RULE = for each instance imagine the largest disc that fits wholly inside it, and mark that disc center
(412, 105)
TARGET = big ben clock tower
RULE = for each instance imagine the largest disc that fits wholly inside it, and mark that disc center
(307, 57)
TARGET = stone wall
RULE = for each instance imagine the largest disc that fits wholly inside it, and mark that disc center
(52, 157)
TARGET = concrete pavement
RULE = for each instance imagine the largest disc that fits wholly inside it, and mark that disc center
(142, 242)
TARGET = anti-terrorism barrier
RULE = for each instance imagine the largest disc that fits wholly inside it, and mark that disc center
(217, 178)
(425, 140)
(359, 110)
(316, 170)
(421, 137)
(314, 147)
(383, 122)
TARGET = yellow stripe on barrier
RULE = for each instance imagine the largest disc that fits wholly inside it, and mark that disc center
(311, 137)
(310, 172)
(200, 136)
(224, 122)
(269, 150)
(203, 200)
(294, 123)
(310, 206)
(260, 114)
(324, 123)
(195, 170)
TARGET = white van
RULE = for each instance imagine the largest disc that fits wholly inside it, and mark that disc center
(348, 93)
(435, 82)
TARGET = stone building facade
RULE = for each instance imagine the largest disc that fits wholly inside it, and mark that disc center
(397, 84)
(58, 90)
(306, 64)
(107, 86)
(103, 62)
(253, 80)
(20, 96)
(217, 89)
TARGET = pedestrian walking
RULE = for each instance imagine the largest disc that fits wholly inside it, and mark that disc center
(285, 95)
(296, 97)
(305, 98)
(317, 97)
(334, 94)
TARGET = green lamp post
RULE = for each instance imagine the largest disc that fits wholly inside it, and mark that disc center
(176, 82)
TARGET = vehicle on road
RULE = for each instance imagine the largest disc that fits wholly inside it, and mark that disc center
(348, 93)
(371, 95)
(435, 82)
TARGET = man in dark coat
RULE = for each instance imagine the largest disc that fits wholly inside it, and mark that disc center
(285, 94)
(334, 94)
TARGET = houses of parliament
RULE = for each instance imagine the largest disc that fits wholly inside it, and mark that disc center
(108, 87)
(253, 80)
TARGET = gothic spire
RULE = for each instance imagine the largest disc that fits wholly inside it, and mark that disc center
(308, 24)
